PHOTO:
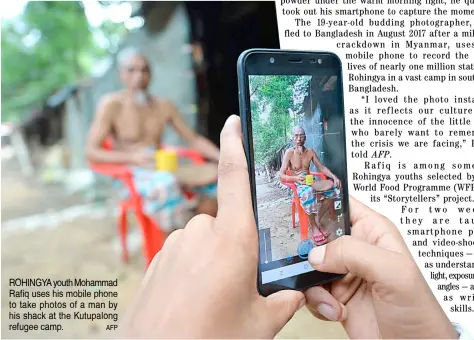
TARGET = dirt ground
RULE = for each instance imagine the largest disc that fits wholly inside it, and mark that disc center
(84, 247)
(274, 212)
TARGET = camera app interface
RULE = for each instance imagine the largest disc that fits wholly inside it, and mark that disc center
(297, 131)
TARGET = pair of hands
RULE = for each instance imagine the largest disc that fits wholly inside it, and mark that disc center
(302, 180)
(203, 282)
(142, 158)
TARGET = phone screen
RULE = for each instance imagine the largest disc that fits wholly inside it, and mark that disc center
(298, 153)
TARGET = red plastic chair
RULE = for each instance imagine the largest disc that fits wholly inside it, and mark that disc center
(296, 206)
(153, 237)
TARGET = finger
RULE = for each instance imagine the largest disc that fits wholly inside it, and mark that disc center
(324, 306)
(358, 210)
(152, 267)
(141, 295)
(233, 186)
(281, 307)
(172, 238)
(370, 223)
(344, 289)
(171, 246)
(348, 254)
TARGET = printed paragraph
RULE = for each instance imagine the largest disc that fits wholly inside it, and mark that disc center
(45, 304)
(409, 113)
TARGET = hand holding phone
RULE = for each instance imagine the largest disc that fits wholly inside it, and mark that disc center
(206, 273)
(292, 112)
(224, 302)
(385, 296)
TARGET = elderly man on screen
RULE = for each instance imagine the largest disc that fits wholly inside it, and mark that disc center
(298, 161)
(136, 120)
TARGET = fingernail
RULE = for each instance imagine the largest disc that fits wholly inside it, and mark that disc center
(302, 303)
(317, 254)
(327, 311)
(231, 120)
(344, 313)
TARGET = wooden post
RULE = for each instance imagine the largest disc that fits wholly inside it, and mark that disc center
(22, 153)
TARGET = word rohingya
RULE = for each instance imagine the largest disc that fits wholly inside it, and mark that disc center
(368, 176)
(18, 282)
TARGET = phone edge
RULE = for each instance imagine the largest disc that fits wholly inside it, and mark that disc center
(245, 116)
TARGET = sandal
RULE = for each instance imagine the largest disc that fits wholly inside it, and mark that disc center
(323, 231)
(319, 240)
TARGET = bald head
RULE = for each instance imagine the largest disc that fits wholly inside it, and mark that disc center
(134, 69)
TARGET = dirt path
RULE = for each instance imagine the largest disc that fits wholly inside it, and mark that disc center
(23, 197)
(274, 212)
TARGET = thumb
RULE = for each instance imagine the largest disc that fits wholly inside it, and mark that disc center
(351, 255)
(282, 306)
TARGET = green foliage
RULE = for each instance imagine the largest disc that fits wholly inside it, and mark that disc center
(276, 103)
(51, 45)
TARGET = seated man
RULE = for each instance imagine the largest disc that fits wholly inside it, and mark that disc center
(298, 160)
(136, 121)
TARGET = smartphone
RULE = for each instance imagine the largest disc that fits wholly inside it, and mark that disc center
(292, 113)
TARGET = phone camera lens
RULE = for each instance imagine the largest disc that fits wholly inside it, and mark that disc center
(272, 60)
(320, 61)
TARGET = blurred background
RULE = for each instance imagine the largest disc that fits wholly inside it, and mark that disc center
(58, 59)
